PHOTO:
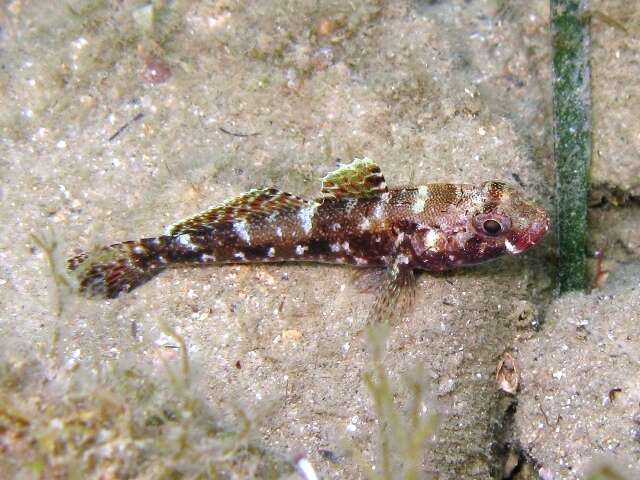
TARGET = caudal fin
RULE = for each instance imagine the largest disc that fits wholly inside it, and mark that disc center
(108, 271)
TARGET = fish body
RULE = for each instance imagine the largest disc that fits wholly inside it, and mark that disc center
(357, 220)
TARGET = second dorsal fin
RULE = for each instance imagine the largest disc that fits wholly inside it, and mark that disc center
(250, 205)
(359, 179)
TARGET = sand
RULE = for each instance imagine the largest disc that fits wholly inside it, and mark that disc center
(116, 124)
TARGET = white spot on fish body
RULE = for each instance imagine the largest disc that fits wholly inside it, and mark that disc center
(185, 241)
(271, 252)
(336, 226)
(511, 248)
(240, 227)
(207, 258)
(403, 259)
(162, 259)
(432, 239)
(378, 210)
(300, 249)
(421, 200)
(335, 247)
(305, 215)
(240, 255)
(346, 247)
(365, 224)
(361, 261)
(279, 232)
(351, 203)
(139, 249)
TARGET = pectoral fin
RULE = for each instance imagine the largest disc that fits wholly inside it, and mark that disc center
(397, 294)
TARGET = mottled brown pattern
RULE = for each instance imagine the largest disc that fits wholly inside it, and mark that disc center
(253, 204)
(444, 194)
(357, 220)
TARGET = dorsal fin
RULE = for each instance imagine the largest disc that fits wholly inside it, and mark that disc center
(360, 179)
(253, 204)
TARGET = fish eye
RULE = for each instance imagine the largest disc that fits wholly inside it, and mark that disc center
(491, 227)
(491, 224)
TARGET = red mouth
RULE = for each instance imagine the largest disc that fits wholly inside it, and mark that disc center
(527, 238)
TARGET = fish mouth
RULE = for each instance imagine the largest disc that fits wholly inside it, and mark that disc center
(527, 238)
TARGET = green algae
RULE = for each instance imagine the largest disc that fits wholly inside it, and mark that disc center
(572, 137)
(401, 435)
(124, 423)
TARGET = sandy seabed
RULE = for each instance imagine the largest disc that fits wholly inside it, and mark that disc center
(119, 119)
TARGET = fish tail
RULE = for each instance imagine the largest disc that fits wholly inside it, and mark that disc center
(108, 271)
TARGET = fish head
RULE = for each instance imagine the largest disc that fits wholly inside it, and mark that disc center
(505, 220)
(467, 224)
